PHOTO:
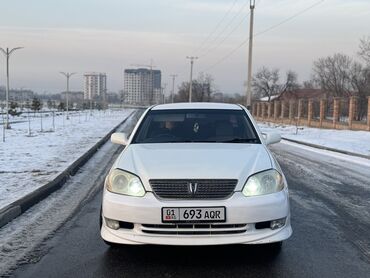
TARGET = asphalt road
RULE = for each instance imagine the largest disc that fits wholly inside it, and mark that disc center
(330, 217)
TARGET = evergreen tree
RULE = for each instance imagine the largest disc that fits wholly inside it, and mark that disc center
(36, 104)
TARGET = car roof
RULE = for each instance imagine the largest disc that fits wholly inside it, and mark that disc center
(197, 105)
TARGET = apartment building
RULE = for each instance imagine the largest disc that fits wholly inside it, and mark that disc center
(95, 85)
(142, 86)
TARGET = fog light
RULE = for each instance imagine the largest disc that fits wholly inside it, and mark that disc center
(113, 224)
(277, 224)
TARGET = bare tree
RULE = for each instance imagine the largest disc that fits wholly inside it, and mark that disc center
(333, 73)
(342, 76)
(291, 83)
(266, 83)
(206, 86)
(364, 51)
(309, 84)
(203, 88)
(229, 98)
(360, 81)
(183, 94)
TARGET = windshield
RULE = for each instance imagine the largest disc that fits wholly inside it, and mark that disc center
(196, 125)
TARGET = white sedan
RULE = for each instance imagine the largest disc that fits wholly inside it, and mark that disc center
(196, 174)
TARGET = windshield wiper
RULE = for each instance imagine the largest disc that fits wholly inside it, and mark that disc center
(241, 140)
(197, 141)
(235, 140)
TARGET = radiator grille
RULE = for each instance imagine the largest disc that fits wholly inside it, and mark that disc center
(193, 189)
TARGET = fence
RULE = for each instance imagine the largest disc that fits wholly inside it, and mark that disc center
(336, 113)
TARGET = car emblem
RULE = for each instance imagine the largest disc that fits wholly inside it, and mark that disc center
(192, 187)
(196, 128)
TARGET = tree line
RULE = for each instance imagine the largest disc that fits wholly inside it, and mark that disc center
(339, 75)
(36, 104)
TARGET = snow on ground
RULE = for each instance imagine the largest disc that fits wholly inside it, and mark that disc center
(347, 140)
(28, 162)
(22, 239)
(339, 156)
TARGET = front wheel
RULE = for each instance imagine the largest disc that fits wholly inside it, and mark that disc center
(112, 245)
(275, 247)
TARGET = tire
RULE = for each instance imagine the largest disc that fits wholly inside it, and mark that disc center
(275, 247)
(112, 244)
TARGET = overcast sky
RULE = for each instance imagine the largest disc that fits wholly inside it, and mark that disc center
(110, 35)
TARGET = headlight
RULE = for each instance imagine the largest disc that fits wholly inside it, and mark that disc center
(267, 182)
(122, 182)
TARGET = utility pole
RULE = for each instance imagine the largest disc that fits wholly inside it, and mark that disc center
(7, 54)
(250, 53)
(173, 86)
(163, 96)
(191, 58)
(67, 75)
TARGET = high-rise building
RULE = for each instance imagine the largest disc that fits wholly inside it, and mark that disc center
(95, 85)
(142, 86)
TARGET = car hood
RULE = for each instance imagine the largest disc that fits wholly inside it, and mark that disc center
(194, 161)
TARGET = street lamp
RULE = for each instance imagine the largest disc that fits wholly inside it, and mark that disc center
(67, 75)
(7, 53)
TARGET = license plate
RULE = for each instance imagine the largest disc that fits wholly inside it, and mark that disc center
(209, 214)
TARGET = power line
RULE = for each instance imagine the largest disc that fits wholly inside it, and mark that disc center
(217, 26)
(215, 39)
(263, 32)
(226, 37)
(289, 18)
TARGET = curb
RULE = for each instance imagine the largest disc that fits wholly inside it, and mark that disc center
(326, 148)
(13, 210)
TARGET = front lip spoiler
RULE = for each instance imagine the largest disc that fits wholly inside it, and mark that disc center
(185, 240)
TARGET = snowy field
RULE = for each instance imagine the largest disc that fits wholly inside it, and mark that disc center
(33, 154)
(347, 140)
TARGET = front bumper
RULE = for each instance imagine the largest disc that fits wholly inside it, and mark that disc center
(241, 212)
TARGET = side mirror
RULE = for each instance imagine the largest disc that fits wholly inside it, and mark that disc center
(119, 138)
(272, 138)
